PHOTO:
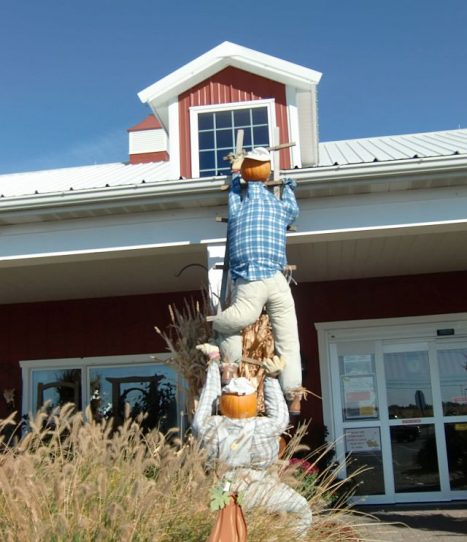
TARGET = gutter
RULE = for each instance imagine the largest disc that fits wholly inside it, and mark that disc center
(177, 192)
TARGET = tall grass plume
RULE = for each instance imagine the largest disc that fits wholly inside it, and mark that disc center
(70, 479)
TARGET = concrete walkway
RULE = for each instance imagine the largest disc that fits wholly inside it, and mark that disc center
(442, 522)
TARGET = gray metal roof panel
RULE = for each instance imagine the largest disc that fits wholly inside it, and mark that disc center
(331, 153)
(398, 147)
(82, 178)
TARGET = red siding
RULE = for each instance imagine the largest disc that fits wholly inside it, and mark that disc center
(231, 85)
(125, 325)
(145, 157)
(81, 328)
(388, 297)
(149, 123)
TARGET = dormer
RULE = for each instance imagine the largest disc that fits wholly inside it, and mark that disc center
(203, 104)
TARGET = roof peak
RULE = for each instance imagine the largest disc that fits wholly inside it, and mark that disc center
(159, 94)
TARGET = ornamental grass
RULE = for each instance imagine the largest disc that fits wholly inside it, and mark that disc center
(74, 480)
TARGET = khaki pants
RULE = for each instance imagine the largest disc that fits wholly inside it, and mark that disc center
(249, 298)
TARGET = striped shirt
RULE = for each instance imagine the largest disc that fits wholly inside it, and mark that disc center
(257, 229)
(249, 442)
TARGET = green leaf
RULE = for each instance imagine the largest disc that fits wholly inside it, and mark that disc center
(219, 498)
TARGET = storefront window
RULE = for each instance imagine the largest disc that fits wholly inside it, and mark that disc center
(365, 459)
(453, 379)
(415, 459)
(408, 384)
(112, 387)
(358, 381)
(140, 389)
(456, 446)
(56, 387)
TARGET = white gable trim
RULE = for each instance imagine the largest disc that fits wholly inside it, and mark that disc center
(294, 131)
(229, 54)
(174, 138)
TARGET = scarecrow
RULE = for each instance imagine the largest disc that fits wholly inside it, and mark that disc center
(257, 226)
(246, 444)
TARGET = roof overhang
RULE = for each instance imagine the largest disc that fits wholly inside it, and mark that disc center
(161, 93)
(373, 177)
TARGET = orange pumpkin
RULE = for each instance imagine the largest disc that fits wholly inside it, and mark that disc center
(255, 170)
(238, 406)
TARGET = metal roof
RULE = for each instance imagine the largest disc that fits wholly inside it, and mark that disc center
(82, 178)
(389, 148)
(332, 153)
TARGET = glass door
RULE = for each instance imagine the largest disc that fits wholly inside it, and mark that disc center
(401, 413)
(411, 420)
(452, 365)
(358, 425)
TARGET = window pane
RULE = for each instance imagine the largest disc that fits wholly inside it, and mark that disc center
(260, 115)
(224, 139)
(260, 136)
(206, 140)
(453, 378)
(363, 450)
(208, 173)
(59, 386)
(221, 163)
(147, 389)
(224, 119)
(247, 139)
(242, 118)
(415, 460)
(207, 160)
(205, 121)
(408, 385)
(358, 380)
(456, 445)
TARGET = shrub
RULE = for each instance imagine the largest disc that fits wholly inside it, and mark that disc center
(73, 480)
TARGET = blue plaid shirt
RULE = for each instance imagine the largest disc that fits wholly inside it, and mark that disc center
(257, 229)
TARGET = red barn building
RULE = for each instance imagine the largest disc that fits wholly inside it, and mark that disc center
(90, 258)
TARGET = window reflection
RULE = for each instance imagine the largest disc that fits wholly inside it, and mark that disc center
(56, 387)
(365, 459)
(456, 445)
(358, 381)
(217, 132)
(408, 384)
(415, 460)
(453, 378)
(140, 389)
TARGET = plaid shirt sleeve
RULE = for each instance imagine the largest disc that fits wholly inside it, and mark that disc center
(235, 199)
(289, 201)
(209, 395)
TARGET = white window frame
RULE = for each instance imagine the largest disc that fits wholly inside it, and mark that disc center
(86, 363)
(196, 110)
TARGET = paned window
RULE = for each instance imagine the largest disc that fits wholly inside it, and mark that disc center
(109, 386)
(215, 133)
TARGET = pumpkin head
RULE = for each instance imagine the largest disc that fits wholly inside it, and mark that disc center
(238, 406)
(255, 170)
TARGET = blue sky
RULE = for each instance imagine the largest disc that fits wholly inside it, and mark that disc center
(71, 69)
